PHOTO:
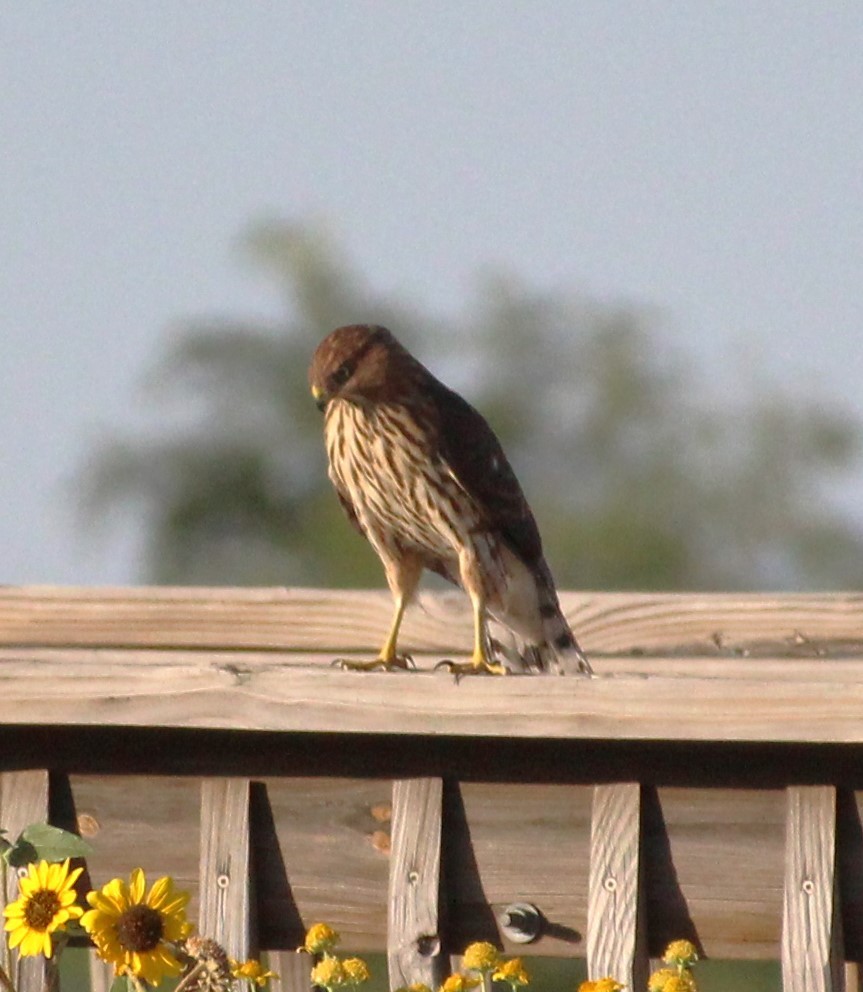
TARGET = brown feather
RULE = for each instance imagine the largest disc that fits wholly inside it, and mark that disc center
(471, 449)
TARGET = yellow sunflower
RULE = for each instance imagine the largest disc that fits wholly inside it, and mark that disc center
(135, 930)
(46, 905)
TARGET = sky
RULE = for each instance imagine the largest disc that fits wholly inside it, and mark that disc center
(703, 159)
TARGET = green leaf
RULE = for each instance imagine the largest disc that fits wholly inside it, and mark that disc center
(52, 843)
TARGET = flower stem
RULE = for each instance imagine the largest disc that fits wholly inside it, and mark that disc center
(190, 977)
(6, 982)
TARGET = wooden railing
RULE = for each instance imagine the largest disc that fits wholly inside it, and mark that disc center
(707, 784)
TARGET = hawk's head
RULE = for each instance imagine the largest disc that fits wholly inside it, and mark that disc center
(354, 363)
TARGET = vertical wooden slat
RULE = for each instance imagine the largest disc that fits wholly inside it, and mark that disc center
(413, 936)
(812, 924)
(293, 970)
(615, 917)
(226, 896)
(23, 800)
(101, 973)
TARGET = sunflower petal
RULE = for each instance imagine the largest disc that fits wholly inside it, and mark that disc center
(160, 892)
(137, 885)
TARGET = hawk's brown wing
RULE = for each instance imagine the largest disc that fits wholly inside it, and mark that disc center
(348, 507)
(473, 453)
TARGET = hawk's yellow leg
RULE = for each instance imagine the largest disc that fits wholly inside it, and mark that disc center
(480, 663)
(388, 658)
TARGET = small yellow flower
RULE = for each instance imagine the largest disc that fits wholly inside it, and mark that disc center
(45, 906)
(136, 930)
(459, 983)
(481, 956)
(681, 982)
(680, 952)
(671, 980)
(600, 985)
(512, 971)
(357, 971)
(329, 974)
(320, 938)
(252, 971)
(587, 986)
(656, 982)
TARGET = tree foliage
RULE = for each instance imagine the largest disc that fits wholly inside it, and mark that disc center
(642, 472)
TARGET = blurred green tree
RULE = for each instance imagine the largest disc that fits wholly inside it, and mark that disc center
(641, 475)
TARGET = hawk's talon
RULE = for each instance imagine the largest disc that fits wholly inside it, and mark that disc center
(483, 667)
(403, 662)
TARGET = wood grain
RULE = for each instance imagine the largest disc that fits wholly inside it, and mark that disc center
(225, 876)
(238, 683)
(95, 661)
(616, 944)
(344, 620)
(414, 944)
(811, 929)
(293, 971)
(195, 693)
(23, 800)
(714, 856)
(101, 973)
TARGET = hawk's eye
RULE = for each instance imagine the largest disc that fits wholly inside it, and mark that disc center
(342, 374)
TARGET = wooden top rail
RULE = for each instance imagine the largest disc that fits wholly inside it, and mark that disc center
(685, 668)
(709, 624)
(707, 784)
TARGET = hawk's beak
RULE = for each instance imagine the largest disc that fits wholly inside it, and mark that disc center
(320, 397)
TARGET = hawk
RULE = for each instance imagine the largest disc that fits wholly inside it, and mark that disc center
(423, 477)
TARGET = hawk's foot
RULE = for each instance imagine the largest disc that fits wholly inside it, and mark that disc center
(402, 662)
(479, 665)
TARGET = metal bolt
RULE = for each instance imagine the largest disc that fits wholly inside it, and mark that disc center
(428, 945)
(808, 886)
(521, 922)
(223, 881)
(610, 883)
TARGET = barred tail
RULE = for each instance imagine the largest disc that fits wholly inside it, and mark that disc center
(566, 655)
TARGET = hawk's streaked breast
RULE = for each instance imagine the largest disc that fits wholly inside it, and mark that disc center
(395, 486)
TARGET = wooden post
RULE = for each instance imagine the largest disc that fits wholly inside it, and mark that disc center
(101, 973)
(812, 923)
(23, 800)
(225, 913)
(615, 915)
(293, 970)
(413, 937)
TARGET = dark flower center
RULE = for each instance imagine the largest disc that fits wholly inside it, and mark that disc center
(41, 909)
(140, 929)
